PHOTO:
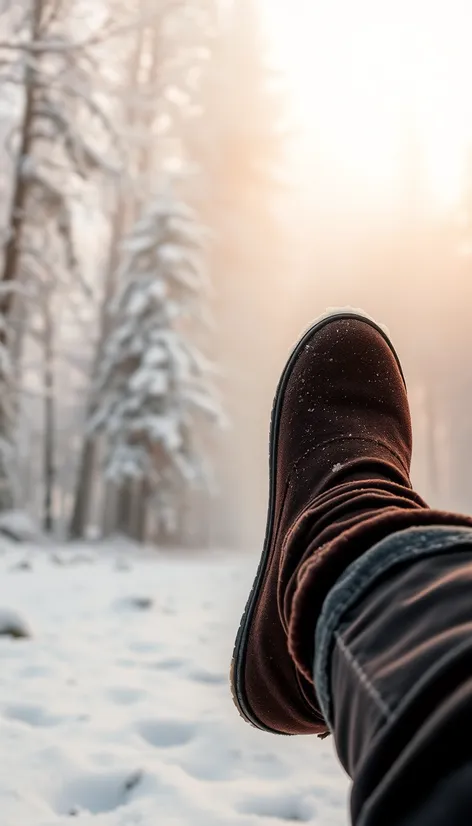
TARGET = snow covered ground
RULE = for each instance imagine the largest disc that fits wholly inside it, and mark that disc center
(116, 712)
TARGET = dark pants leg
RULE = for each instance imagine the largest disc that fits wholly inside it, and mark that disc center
(393, 673)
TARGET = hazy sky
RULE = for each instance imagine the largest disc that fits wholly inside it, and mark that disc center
(364, 72)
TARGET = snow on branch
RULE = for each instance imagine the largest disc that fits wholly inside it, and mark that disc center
(55, 202)
(154, 384)
(105, 33)
(82, 155)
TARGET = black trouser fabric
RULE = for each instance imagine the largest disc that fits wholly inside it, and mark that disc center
(393, 672)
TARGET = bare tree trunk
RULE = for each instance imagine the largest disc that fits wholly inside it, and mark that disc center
(109, 509)
(149, 78)
(124, 510)
(144, 70)
(83, 492)
(20, 185)
(49, 417)
(19, 317)
(87, 462)
(84, 488)
(17, 330)
(139, 511)
(12, 254)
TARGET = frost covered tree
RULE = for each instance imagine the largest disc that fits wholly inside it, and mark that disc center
(157, 77)
(60, 138)
(155, 384)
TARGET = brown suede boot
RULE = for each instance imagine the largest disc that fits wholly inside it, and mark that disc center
(340, 451)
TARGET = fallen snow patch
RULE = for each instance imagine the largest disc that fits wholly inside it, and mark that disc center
(118, 710)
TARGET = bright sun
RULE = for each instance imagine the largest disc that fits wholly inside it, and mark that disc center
(363, 72)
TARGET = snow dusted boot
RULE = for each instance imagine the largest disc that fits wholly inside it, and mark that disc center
(340, 451)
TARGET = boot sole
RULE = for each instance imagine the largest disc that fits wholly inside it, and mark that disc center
(238, 662)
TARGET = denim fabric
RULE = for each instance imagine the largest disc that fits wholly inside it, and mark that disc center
(411, 544)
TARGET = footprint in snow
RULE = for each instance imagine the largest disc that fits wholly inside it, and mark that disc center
(36, 671)
(145, 647)
(126, 696)
(169, 664)
(97, 793)
(165, 734)
(127, 662)
(23, 565)
(289, 808)
(34, 716)
(200, 675)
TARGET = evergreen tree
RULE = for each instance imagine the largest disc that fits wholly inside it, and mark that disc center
(155, 75)
(154, 382)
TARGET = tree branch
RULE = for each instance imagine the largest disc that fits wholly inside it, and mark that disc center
(104, 34)
(82, 156)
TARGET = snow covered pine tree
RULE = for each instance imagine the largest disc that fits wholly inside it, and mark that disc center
(154, 382)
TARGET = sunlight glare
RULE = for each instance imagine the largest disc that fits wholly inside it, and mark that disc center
(365, 75)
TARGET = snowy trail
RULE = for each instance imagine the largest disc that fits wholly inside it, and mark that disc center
(117, 711)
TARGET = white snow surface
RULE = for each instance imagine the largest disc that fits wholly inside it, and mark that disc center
(19, 526)
(117, 711)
